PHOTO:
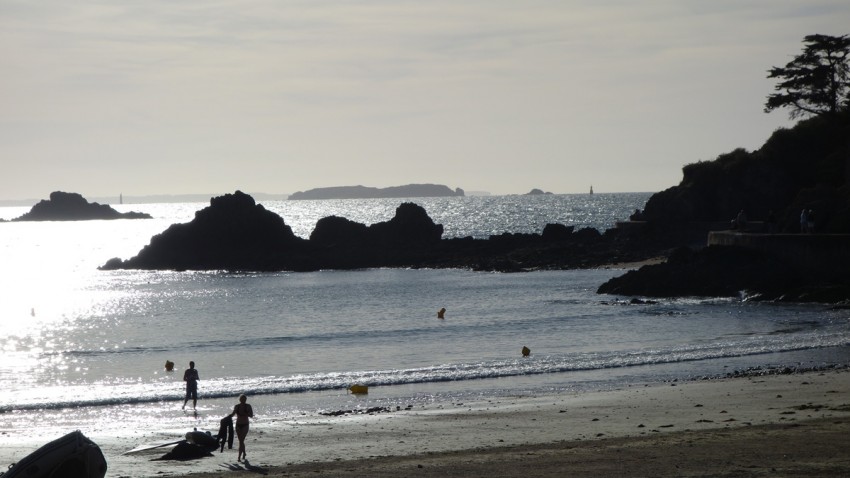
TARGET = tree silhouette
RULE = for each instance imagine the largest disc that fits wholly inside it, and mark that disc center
(815, 82)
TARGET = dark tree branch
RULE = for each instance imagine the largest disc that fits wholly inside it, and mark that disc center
(815, 82)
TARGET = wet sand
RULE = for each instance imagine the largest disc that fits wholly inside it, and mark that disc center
(815, 447)
(778, 425)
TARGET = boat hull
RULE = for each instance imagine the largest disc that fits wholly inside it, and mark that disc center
(72, 455)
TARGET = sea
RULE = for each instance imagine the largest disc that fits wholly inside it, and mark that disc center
(86, 349)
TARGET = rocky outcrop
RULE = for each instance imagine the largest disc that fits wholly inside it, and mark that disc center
(64, 206)
(363, 192)
(234, 233)
(537, 192)
(802, 167)
(730, 271)
(406, 240)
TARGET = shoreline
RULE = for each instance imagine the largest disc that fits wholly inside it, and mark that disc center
(751, 424)
(746, 418)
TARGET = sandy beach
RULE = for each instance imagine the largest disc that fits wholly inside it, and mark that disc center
(777, 425)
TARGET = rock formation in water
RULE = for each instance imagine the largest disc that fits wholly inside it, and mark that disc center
(363, 192)
(803, 167)
(64, 206)
(236, 234)
(233, 233)
(730, 271)
(537, 192)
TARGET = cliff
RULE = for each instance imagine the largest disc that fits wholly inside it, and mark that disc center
(802, 168)
(363, 192)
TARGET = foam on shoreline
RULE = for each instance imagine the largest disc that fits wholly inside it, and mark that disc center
(632, 412)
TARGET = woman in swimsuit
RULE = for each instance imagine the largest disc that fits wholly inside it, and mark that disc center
(243, 411)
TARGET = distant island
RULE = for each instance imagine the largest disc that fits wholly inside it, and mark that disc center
(537, 192)
(150, 199)
(64, 206)
(363, 192)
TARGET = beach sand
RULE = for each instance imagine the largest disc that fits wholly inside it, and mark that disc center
(777, 425)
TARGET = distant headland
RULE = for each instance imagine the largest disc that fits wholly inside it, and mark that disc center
(64, 206)
(363, 192)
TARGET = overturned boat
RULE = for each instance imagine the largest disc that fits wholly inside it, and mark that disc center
(72, 455)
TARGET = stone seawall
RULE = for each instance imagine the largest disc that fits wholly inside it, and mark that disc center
(805, 250)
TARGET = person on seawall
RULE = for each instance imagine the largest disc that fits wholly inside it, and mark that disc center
(740, 221)
(190, 376)
(243, 412)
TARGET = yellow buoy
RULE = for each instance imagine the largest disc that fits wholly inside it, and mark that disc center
(359, 389)
(526, 351)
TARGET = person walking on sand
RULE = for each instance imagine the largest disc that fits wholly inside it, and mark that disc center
(190, 376)
(243, 412)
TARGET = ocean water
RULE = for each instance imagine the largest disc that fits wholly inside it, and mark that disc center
(85, 349)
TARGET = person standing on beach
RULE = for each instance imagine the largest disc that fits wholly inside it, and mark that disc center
(190, 376)
(243, 412)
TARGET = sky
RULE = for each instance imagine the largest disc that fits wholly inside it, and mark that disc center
(174, 97)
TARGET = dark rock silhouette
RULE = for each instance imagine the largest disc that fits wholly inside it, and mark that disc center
(729, 271)
(709, 272)
(804, 167)
(537, 192)
(333, 231)
(363, 192)
(557, 232)
(410, 226)
(233, 233)
(236, 234)
(64, 206)
(406, 240)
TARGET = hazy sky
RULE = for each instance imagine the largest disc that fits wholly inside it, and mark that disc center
(170, 97)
